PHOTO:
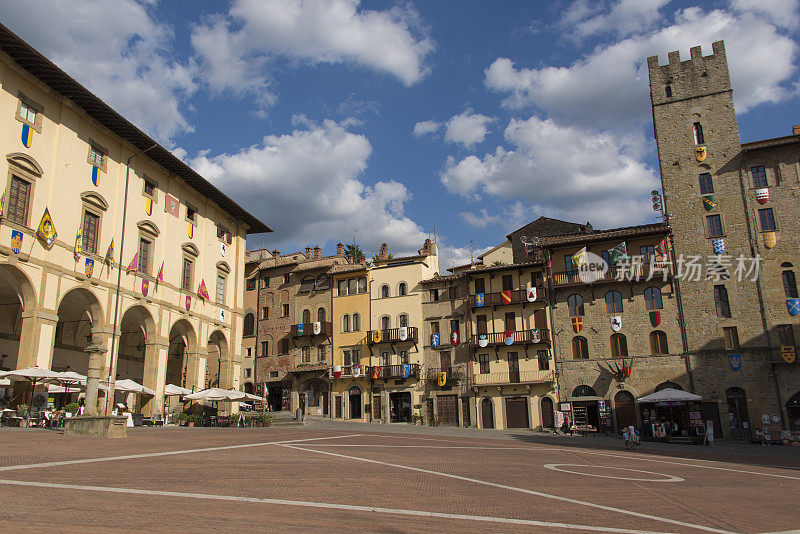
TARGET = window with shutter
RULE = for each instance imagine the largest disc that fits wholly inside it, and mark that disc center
(220, 289)
(18, 201)
(186, 277)
(91, 223)
(144, 256)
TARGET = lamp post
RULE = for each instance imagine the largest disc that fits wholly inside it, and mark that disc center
(114, 355)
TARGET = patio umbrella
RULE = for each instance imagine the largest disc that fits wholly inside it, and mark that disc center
(671, 395)
(217, 394)
(33, 375)
(5, 382)
(129, 386)
(171, 390)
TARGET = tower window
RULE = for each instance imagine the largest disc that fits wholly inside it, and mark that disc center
(668, 90)
(767, 219)
(698, 134)
(759, 176)
(706, 184)
(714, 225)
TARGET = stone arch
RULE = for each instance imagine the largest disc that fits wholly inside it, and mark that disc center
(181, 369)
(218, 373)
(137, 355)
(18, 326)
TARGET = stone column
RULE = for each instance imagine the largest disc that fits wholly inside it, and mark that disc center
(155, 371)
(95, 352)
(37, 337)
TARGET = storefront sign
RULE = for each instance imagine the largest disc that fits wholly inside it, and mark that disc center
(601, 405)
(566, 407)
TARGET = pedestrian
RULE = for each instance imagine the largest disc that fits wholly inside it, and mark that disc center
(627, 439)
(633, 437)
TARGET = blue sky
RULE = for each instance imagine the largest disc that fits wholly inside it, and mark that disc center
(388, 119)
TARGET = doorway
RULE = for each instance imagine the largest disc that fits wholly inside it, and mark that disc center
(513, 367)
(737, 413)
(516, 412)
(376, 407)
(355, 402)
(625, 406)
(400, 407)
(465, 411)
(447, 410)
(548, 419)
(487, 413)
(337, 406)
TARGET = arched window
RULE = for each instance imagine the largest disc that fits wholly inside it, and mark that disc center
(384, 291)
(613, 302)
(306, 316)
(345, 323)
(307, 284)
(658, 342)
(668, 91)
(385, 322)
(584, 391)
(249, 325)
(699, 139)
(652, 298)
(580, 348)
(789, 284)
(575, 303)
(668, 385)
(401, 289)
(619, 346)
(321, 315)
(402, 320)
(793, 411)
(356, 322)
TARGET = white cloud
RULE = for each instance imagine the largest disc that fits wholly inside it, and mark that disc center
(450, 256)
(511, 216)
(623, 18)
(306, 186)
(426, 127)
(782, 13)
(467, 128)
(561, 171)
(115, 49)
(609, 87)
(236, 49)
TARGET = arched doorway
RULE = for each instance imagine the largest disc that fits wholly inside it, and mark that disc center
(248, 387)
(625, 407)
(737, 413)
(585, 408)
(217, 373)
(182, 345)
(16, 296)
(487, 413)
(548, 418)
(137, 357)
(670, 385)
(793, 412)
(355, 402)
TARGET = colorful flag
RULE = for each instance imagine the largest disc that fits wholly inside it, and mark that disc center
(2, 203)
(161, 272)
(617, 253)
(27, 135)
(88, 267)
(708, 202)
(190, 231)
(148, 206)
(171, 205)
(109, 259)
(133, 265)
(202, 292)
(95, 179)
(579, 258)
(661, 249)
(78, 245)
(145, 286)
(16, 241)
(47, 230)
(549, 259)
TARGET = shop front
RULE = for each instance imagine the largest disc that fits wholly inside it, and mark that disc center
(672, 415)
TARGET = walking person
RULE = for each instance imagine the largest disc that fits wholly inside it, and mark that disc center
(634, 437)
(626, 436)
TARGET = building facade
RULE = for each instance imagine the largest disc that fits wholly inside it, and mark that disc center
(727, 200)
(70, 159)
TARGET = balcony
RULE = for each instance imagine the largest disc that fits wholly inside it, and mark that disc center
(639, 272)
(326, 329)
(454, 374)
(518, 296)
(388, 372)
(513, 377)
(520, 337)
(392, 335)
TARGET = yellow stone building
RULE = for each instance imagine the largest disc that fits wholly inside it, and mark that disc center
(70, 157)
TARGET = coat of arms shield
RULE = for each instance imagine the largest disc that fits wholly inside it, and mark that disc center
(88, 267)
(700, 153)
(735, 361)
(188, 302)
(762, 195)
(505, 296)
(479, 300)
(300, 329)
(337, 371)
(356, 370)
(145, 286)
(577, 324)
(16, 241)
(788, 353)
(434, 340)
(793, 305)
(317, 328)
(403, 333)
(454, 338)
(508, 337)
(483, 340)
(530, 293)
(770, 239)
(442, 379)
(405, 370)
(616, 323)
(536, 335)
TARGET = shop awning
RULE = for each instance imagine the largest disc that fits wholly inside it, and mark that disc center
(584, 399)
(671, 395)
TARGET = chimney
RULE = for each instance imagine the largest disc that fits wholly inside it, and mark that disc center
(384, 253)
(339, 249)
(276, 254)
(317, 252)
(308, 253)
(796, 129)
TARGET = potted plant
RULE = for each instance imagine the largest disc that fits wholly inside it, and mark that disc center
(191, 420)
(72, 407)
(22, 413)
(266, 419)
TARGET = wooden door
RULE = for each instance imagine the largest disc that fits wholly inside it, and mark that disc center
(487, 414)
(465, 411)
(324, 403)
(376, 407)
(513, 367)
(447, 410)
(625, 406)
(548, 420)
(338, 406)
(516, 412)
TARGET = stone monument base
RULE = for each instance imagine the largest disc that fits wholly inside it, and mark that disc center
(97, 426)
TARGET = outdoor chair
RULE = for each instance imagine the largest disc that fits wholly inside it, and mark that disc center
(156, 420)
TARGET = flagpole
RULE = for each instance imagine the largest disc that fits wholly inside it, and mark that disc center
(112, 364)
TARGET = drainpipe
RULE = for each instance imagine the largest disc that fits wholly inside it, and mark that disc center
(681, 320)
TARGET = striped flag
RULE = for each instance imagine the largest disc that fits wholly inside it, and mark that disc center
(78, 245)
(109, 259)
(27, 135)
(202, 291)
(133, 264)
(161, 272)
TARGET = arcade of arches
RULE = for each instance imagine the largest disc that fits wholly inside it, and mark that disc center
(156, 345)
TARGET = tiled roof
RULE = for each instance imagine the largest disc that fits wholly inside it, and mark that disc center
(770, 143)
(602, 235)
(491, 268)
(441, 278)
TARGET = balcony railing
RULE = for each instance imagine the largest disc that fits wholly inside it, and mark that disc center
(513, 377)
(518, 296)
(520, 337)
(453, 373)
(326, 329)
(640, 272)
(393, 335)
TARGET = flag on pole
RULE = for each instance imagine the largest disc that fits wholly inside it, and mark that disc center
(2, 204)
(133, 264)
(161, 272)
(109, 259)
(661, 249)
(202, 292)
(579, 258)
(617, 253)
(47, 230)
(78, 245)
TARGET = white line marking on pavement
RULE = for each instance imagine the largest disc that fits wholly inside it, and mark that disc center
(166, 453)
(559, 467)
(334, 506)
(521, 490)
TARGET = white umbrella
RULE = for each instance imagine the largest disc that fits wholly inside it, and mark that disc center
(128, 385)
(171, 390)
(32, 375)
(217, 394)
(671, 395)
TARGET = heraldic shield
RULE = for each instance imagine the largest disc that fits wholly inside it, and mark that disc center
(317, 328)
(299, 329)
(188, 302)
(483, 340)
(356, 370)
(735, 361)
(536, 335)
(700, 153)
(88, 267)
(434, 340)
(770, 239)
(376, 336)
(145, 286)
(788, 353)
(16, 241)
(454, 338)
(405, 370)
(531, 294)
(505, 296)
(616, 323)
(442, 378)
(793, 305)
(337, 371)
(577, 324)
(403, 333)
(509, 337)
(479, 299)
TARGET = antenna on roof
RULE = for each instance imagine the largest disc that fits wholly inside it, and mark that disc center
(471, 251)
